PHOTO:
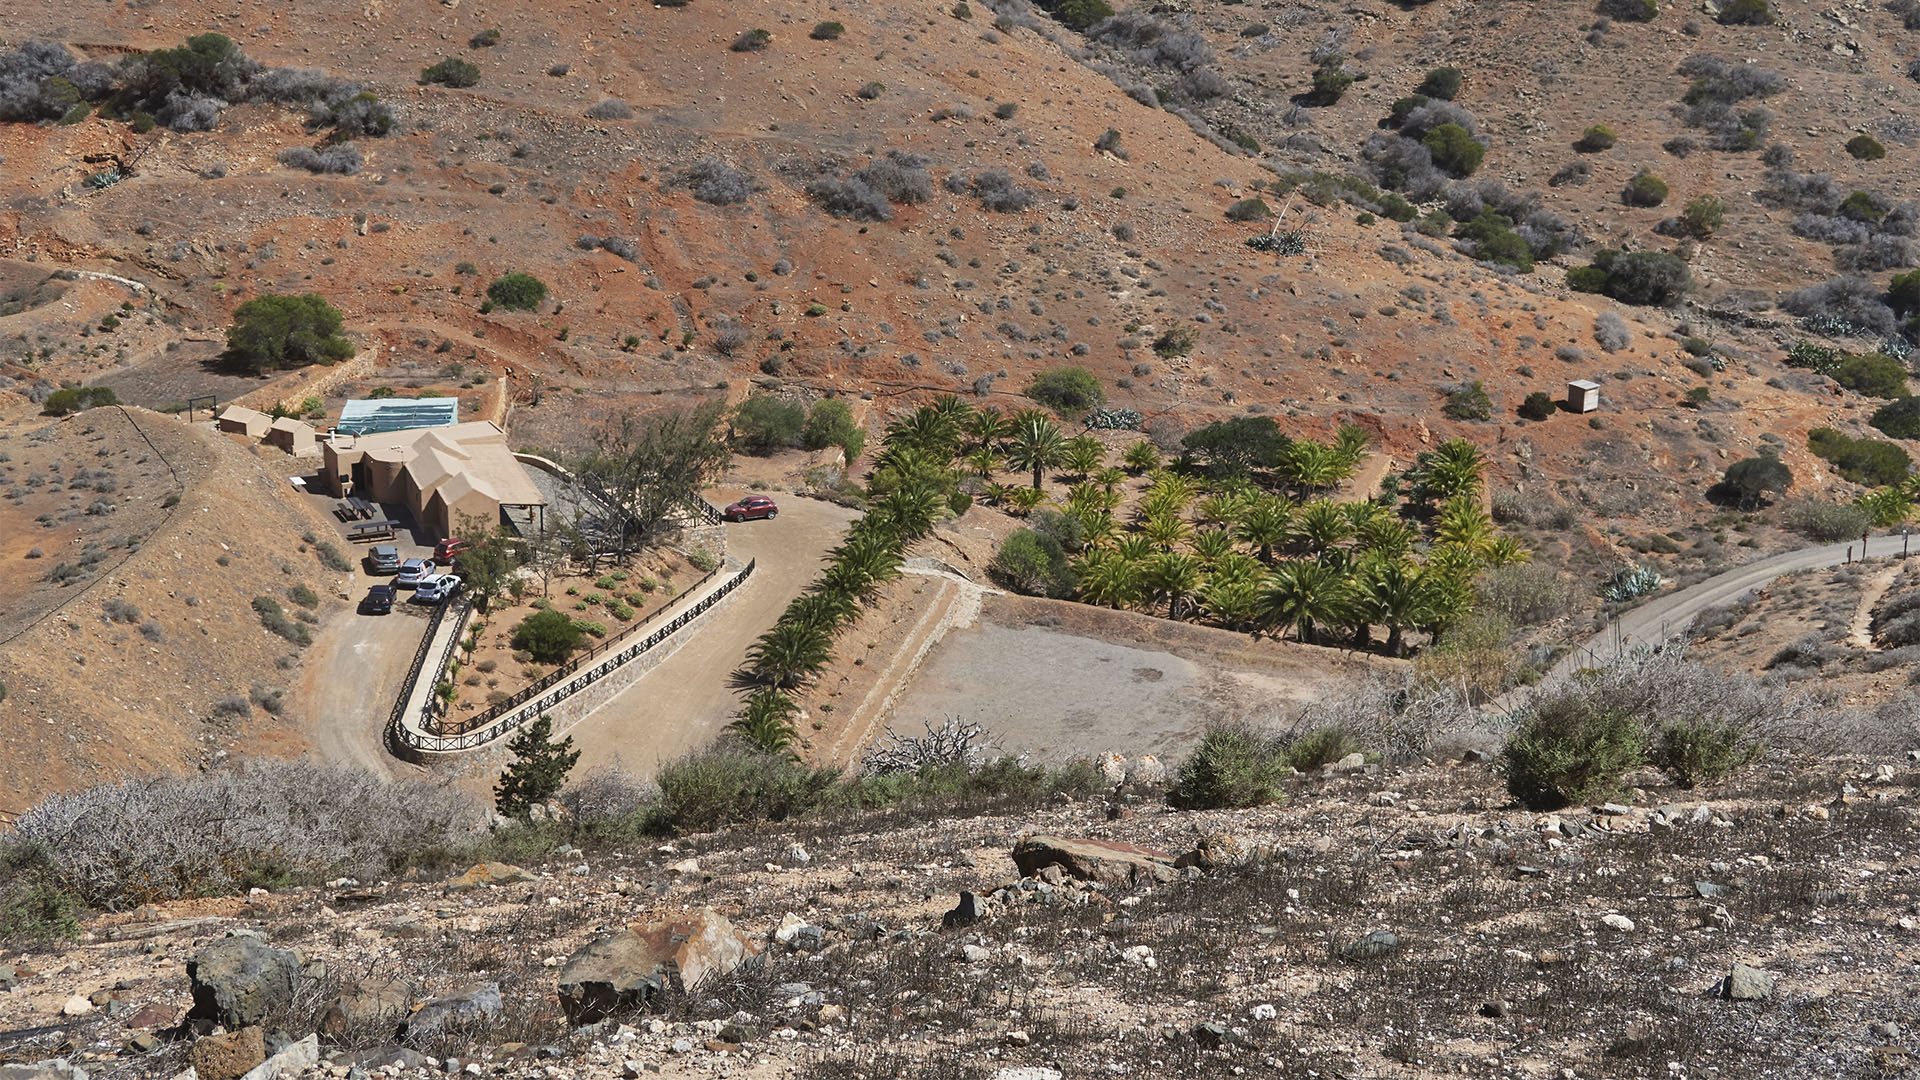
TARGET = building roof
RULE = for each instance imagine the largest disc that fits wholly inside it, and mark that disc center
(243, 415)
(455, 460)
(1582, 384)
(368, 416)
(288, 423)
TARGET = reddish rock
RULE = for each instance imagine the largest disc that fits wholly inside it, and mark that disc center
(1104, 861)
(153, 1015)
(624, 968)
(229, 1056)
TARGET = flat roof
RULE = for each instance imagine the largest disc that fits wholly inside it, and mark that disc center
(1584, 384)
(369, 416)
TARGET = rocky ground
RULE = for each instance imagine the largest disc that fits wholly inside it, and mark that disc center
(1381, 922)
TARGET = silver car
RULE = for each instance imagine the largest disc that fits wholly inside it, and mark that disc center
(412, 571)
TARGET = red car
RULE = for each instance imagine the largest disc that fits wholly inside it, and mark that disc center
(445, 550)
(753, 506)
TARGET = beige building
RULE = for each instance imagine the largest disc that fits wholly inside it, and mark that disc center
(291, 435)
(239, 420)
(442, 474)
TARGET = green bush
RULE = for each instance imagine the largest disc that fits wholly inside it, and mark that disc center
(1866, 148)
(1068, 391)
(763, 424)
(1320, 746)
(451, 71)
(1442, 83)
(1634, 277)
(1469, 402)
(827, 31)
(1330, 80)
(1034, 563)
(1873, 462)
(274, 618)
(1903, 292)
(1539, 405)
(1570, 749)
(34, 906)
(1873, 374)
(548, 635)
(1704, 216)
(518, 292)
(1692, 751)
(1645, 189)
(1254, 209)
(1863, 207)
(1746, 13)
(1495, 241)
(1078, 14)
(830, 423)
(1596, 138)
(304, 596)
(75, 399)
(1454, 150)
(1899, 418)
(274, 332)
(1175, 341)
(1750, 480)
(752, 41)
(1631, 10)
(1234, 766)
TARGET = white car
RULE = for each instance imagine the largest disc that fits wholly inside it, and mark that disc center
(437, 588)
(412, 572)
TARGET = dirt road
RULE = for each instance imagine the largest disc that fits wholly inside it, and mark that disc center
(1669, 614)
(686, 701)
(352, 675)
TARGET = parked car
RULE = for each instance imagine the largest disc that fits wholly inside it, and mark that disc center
(383, 559)
(753, 506)
(446, 550)
(412, 571)
(437, 588)
(379, 600)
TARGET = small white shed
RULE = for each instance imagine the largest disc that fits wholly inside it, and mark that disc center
(1583, 395)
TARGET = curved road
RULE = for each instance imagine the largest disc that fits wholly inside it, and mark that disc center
(1671, 613)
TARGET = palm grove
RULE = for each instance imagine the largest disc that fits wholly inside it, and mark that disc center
(1238, 531)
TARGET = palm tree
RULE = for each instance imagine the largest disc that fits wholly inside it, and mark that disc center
(1503, 551)
(1310, 466)
(912, 508)
(986, 427)
(1394, 592)
(1110, 478)
(789, 654)
(1237, 566)
(1141, 457)
(1172, 575)
(1096, 526)
(1211, 545)
(1319, 526)
(1083, 456)
(1266, 524)
(928, 429)
(1025, 499)
(1223, 509)
(1108, 579)
(766, 721)
(1165, 530)
(982, 463)
(996, 494)
(1304, 595)
(827, 611)
(1384, 534)
(1464, 525)
(1088, 498)
(1035, 444)
(1232, 603)
(1134, 548)
(1351, 444)
(860, 567)
(1451, 469)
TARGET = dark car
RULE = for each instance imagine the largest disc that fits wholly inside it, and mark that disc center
(751, 507)
(379, 600)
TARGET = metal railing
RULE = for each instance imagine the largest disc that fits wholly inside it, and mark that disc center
(611, 655)
(434, 702)
(396, 727)
(709, 511)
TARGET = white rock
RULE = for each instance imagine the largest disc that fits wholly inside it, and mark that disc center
(684, 866)
(1029, 1072)
(77, 1005)
(682, 1045)
(1265, 1012)
(975, 953)
(798, 855)
(1618, 922)
(1139, 956)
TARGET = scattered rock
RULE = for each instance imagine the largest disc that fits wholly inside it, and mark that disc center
(76, 1006)
(970, 910)
(477, 1002)
(238, 980)
(1351, 763)
(1716, 916)
(1017, 1038)
(1372, 946)
(144, 1043)
(797, 934)
(1746, 983)
(402, 1057)
(293, 1058)
(619, 970)
(1216, 850)
(229, 1056)
(1617, 922)
(154, 1015)
(1107, 862)
(51, 1069)
(488, 875)
(1028, 1072)
(368, 1002)
(798, 855)
(1707, 890)
(684, 868)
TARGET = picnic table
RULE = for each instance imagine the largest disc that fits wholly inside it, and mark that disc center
(354, 508)
(372, 530)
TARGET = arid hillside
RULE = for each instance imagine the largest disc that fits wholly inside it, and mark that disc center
(130, 642)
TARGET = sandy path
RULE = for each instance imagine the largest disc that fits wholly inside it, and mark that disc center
(350, 679)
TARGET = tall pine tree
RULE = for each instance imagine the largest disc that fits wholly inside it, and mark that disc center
(538, 770)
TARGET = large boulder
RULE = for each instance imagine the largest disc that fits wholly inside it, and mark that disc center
(229, 1056)
(621, 970)
(376, 1003)
(1746, 983)
(1105, 861)
(237, 981)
